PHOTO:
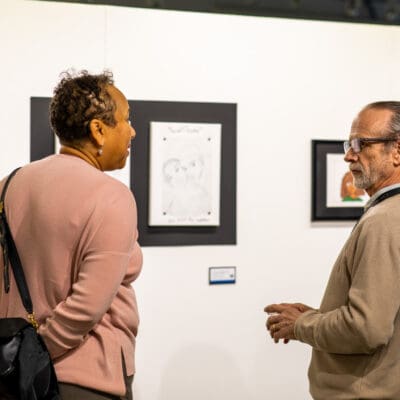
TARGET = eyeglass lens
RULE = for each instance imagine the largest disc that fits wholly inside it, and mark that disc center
(355, 144)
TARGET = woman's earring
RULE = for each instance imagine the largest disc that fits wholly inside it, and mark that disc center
(100, 151)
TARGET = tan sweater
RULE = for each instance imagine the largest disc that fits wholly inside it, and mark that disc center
(75, 230)
(355, 335)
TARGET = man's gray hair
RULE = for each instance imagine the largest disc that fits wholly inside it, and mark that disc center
(393, 128)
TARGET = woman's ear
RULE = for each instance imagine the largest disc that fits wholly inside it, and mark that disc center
(96, 130)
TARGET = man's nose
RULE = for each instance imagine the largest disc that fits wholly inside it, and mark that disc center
(350, 155)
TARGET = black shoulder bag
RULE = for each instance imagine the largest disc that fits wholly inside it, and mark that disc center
(26, 369)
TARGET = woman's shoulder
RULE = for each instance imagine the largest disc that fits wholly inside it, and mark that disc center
(60, 174)
(114, 187)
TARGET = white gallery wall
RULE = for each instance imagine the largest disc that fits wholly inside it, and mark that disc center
(293, 81)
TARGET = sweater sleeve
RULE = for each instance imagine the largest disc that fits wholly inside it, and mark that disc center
(371, 265)
(105, 248)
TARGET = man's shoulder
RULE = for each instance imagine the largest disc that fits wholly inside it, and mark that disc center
(389, 206)
(384, 215)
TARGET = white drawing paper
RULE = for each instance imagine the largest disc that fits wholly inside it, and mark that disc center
(185, 168)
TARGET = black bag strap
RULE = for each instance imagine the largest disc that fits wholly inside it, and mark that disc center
(386, 195)
(10, 255)
(4, 233)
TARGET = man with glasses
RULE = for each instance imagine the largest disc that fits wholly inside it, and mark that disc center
(355, 334)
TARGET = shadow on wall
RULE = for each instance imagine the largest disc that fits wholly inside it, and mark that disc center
(201, 372)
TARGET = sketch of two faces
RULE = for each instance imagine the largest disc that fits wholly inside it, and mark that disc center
(185, 173)
(187, 192)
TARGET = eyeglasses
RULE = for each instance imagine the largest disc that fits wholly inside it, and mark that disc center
(357, 144)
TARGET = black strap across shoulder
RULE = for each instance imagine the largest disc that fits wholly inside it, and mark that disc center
(386, 195)
(10, 253)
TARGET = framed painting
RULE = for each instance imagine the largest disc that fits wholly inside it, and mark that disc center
(334, 196)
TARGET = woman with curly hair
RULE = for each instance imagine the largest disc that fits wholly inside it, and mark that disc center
(75, 230)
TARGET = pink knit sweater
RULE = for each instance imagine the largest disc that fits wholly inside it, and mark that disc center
(75, 230)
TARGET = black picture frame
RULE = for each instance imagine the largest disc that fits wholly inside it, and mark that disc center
(319, 209)
(143, 112)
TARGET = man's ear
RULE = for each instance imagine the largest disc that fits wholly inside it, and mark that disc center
(96, 130)
(396, 154)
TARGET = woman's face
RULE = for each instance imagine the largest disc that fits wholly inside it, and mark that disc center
(118, 138)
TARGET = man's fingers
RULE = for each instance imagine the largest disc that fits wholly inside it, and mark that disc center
(282, 330)
(277, 333)
(273, 328)
(279, 308)
(274, 308)
(273, 320)
(270, 308)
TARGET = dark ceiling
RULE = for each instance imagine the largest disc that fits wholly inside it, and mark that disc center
(364, 11)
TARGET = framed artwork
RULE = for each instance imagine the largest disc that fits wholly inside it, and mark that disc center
(185, 185)
(334, 196)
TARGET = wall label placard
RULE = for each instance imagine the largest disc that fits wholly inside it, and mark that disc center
(222, 275)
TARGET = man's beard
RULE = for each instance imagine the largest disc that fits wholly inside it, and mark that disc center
(362, 180)
(365, 180)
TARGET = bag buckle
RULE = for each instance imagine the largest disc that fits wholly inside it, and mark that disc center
(33, 321)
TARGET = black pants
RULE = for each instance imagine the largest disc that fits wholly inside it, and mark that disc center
(69, 391)
(75, 392)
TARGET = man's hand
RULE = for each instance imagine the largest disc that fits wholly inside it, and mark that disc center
(281, 323)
